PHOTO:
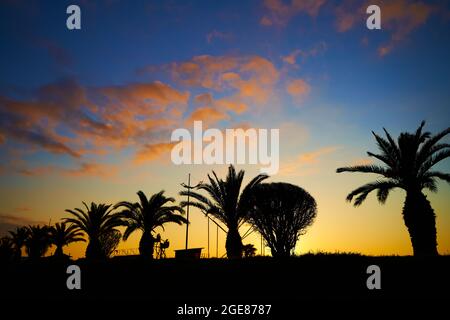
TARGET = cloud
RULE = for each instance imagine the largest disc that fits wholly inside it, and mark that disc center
(150, 152)
(305, 163)
(67, 118)
(292, 57)
(83, 169)
(8, 222)
(249, 78)
(298, 89)
(265, 21)
(59, 55)
(208, 115)
(92, 170)
(314, 156)
(399, 17)
(280, 12)
(217, 35)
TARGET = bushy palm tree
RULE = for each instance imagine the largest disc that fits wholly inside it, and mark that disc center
(109, 242)
(408, 164)
(147, 215)
(98, 222)
(38, 241)
(63, 234)
(226, 203)
(18, 238)
(281, 212)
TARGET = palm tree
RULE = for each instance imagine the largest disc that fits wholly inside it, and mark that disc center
(249, 250)
(147, 215)
(228, 204)
(7, 249)
(97, 222)
(18, 238)
(281, 212)
(38, 241)
(408, 165)
(62, 235)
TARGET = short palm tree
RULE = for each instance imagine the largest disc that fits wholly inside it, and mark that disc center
(63, 234)
(7, 250)
(97, 222)
(18, 238)
(147, 215)
(408, 165)
(38, 241)
(226, 203)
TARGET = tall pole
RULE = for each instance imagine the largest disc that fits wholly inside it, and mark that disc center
(187, 224)
(208, 237)
(217, 242)
(262, 253)
(188, 187)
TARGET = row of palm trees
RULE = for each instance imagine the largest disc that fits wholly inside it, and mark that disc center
(280, 212)
(99, 223)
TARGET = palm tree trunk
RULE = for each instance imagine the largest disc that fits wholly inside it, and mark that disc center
(146, 245)
(233, 243)
(59, 252)
(420, 220)
(94, 249)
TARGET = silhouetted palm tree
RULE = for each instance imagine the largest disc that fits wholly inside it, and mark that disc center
(7, 249)
(249, 250)
(228, 204)
(62, 235)
(18, 238)
(109, 242)
(97, 222)
(408, 165)
(38, 241)
(281, 212)
(147, 215)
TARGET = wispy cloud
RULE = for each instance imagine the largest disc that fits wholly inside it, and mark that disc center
(399, 17)
(305, 163)
(213, 35)
(279, 12)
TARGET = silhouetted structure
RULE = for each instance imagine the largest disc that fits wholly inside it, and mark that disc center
(227, 203)
(408, 165)
(281, 212)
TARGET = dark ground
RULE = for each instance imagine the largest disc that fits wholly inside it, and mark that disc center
(292, 286)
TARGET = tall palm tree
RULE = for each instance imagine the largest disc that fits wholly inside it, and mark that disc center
(228, 204)
(18, 238)
(97, 221)
(408, 165)
(38, 241)
(62, 234)
(147, 215)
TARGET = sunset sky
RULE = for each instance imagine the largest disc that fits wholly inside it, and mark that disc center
(86, 115)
